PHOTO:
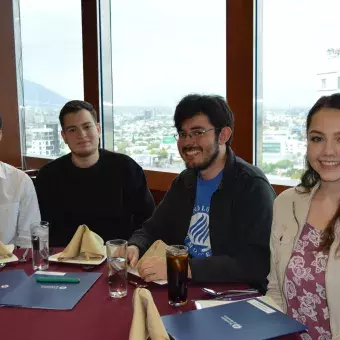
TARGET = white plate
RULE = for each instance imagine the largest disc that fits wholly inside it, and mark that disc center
(95, 262)
(13, 258)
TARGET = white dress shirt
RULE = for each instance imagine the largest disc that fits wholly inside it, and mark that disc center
(18, 206)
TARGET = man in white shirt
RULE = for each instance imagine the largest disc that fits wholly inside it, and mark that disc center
(18, 205)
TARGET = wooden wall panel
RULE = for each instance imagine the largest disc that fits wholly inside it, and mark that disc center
(90, 53)
(240, 18)
(35, 163)
(10, 151)
(159, 180)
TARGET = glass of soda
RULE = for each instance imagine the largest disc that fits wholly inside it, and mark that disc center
(177, 267)
(116, 251)
(40, 248)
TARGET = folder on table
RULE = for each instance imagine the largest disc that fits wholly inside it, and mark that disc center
(10, 280)
(60, 296)
(246, 320)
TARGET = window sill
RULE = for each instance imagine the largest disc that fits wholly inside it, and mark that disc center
(157, 180)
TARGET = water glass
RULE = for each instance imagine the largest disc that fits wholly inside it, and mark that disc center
(116, 251)
(177, 268)
(40, 248)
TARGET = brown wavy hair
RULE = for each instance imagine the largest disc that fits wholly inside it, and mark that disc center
(310, 177)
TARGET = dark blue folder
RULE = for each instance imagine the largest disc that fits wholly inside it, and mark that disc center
(60, 296)
(239, 320)
(9, 280)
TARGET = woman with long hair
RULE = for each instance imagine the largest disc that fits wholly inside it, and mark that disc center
(304, 279)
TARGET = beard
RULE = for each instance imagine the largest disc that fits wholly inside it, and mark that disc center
(207, 161)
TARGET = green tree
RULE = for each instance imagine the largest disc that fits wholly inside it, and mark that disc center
(163, 153)
(121, 147)
(295, 173)
(284, 164)
(268, 168)
(153, 146)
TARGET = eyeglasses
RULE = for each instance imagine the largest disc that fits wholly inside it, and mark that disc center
(196, 134)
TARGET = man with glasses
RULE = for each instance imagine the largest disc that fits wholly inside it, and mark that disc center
(105, 190)
(220, 207)
(18, 205)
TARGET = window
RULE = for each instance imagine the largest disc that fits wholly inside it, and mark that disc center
(296, 64)
(161, 51)
(50, 68)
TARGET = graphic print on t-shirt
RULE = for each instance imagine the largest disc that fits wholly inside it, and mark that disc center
(198, 237)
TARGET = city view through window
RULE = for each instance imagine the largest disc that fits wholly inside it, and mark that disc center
(298, 61)
(52, 70)
(162, 51)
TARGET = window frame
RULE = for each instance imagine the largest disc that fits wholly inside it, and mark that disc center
(239, 78)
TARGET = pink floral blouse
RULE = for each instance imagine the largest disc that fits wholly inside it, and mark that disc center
(305, 285)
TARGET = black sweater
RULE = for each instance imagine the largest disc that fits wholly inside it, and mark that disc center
(240, 223)
(111, 197)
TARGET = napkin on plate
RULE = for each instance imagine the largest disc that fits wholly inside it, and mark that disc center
(4, 251)
(146, 321)
(85, 243)
(158, 248)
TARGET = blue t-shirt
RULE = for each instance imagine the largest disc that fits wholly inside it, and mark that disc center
(198, 237)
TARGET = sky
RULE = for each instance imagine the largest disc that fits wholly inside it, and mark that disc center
(164, 49)
(296, 36)
(52, 45)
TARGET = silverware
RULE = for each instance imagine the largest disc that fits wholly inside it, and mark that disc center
(138, 285)
(230, 296)
(23, 258)
(213, 292)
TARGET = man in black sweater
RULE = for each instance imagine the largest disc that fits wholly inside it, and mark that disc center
(106, 191)
(220, 207)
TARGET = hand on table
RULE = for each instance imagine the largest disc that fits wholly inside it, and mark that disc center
(153, 268)
(132, 255)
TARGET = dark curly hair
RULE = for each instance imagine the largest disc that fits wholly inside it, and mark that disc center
(310, 177)
(213, 106)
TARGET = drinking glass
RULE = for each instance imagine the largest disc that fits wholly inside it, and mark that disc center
(39, 240)
(177, 268)
(117, 267)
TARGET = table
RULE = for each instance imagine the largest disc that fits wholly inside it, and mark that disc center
(96, 316)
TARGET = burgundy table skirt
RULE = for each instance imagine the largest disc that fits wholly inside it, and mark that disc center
(96, 316)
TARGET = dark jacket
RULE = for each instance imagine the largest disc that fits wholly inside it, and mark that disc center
(111, 197)
(240, 223)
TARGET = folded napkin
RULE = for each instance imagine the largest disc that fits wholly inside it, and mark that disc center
(4, 252)
(85, 243)
(146, 322)
(158, 248)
